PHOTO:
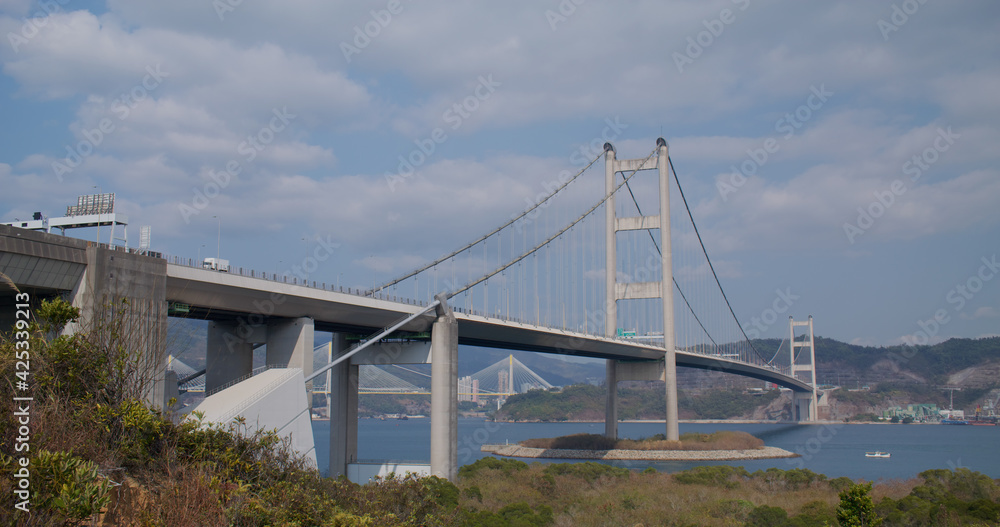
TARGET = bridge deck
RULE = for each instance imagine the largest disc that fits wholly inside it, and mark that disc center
(216, 295)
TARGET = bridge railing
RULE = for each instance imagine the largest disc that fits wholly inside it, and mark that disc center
(258, 395)
(255, 371)
(294, 280)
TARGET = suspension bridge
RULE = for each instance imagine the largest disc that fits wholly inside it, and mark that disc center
(615, 274)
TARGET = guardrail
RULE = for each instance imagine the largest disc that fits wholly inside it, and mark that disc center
(255, 371)
(258, 395)
(294, 280)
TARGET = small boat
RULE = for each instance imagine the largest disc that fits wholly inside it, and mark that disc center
(877, 454)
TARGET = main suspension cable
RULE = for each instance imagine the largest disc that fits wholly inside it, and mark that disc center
(710, 266)
(672, 277)
(491, 233)
(556, 235)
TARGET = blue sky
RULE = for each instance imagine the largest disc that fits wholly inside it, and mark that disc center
(843, 94)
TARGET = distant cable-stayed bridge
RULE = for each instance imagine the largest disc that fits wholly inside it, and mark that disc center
(504, 378)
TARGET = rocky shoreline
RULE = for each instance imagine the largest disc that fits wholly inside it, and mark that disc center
(768, 452)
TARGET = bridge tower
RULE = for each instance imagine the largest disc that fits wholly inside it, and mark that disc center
(804, 404)
(628, 291)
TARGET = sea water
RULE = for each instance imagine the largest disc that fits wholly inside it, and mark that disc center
(835, 449)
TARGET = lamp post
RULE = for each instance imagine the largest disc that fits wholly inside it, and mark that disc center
(218, 243)
(98, 215)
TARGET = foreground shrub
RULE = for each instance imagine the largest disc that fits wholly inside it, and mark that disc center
(491, 463)
(794, 479)
(856, 508)
(588, 470)
(713, 476)
(68, 486)
(767, 516)
(721, 440)
(573, 442)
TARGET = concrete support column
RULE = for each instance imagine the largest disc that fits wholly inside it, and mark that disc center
(444, 394)
(343, 410)
(228, 356)
(290, 343)
(611, 404)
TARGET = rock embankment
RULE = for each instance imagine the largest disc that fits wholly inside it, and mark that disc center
(768, 452)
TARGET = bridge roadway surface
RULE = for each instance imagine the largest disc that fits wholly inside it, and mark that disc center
(223, 296)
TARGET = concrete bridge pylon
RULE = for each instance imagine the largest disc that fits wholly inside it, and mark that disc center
(803, 361)
(662, 289)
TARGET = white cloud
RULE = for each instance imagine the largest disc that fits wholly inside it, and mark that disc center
(325, 171)
(982, 312)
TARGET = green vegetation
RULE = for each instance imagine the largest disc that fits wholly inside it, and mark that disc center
(945, 497)
(932, 363)
(725, 404)
(99, 455)
(585, 402)
(866, 417)
(856, 508)
(372, 405)
(592, 494)
(721, 440)
(588, 471)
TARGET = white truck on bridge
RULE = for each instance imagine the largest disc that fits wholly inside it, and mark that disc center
(216, 264)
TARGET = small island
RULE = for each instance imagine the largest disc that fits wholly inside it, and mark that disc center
(718, 446)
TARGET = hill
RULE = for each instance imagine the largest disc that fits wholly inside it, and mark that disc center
(880, 378)
(585, 402)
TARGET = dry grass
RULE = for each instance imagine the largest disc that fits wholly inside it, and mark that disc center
(186, 499)
(722, 440)
(647, 499)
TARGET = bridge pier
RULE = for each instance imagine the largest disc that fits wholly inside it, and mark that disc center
(122, 303)
(611, 404)
(290, 344)
(343, 410)
(444, 393)
(803, 407)
(228, 356)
